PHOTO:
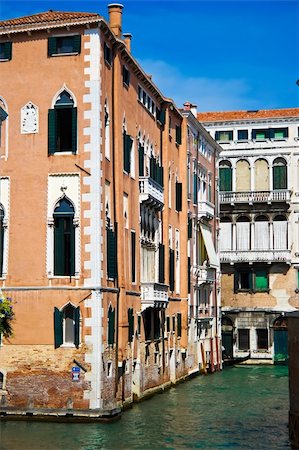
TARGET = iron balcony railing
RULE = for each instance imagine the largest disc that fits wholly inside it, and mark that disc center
(251, 256)
(149, 189)
(255, 196)
(154, 295)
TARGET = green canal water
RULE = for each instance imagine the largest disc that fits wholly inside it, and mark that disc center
(238, 408)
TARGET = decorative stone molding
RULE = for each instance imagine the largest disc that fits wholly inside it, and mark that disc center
(29, 119)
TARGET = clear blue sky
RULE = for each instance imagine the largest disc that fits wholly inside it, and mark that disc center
(221, 55)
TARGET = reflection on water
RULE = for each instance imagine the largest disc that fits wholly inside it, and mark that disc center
(241, 407)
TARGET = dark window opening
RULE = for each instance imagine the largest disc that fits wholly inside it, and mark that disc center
(262, 339)
(126, 76)
(64, 239)
(64, 44)
(242, 135)
(5, 51)
(107, 54)
(243, 339)
(62, 125)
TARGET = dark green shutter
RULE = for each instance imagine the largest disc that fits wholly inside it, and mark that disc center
(160, 114)
(74, 130)
(59, 253)
(178, 134)
(195, 188)
(179, 324)
(7, 50)
(52, 46)
(189, 227)
(133, 256)
(72, 248)
(189, 274)
(131, 324)
(178, 196)
(161, 263)
(171, 269)
(279, 177)
(52, 131)
(77, 326)
(127, 143)
(58, 330)
(261, 280)
(111, 254)
(141, 160)
(111, 325)
(225, 175)
(77, 43)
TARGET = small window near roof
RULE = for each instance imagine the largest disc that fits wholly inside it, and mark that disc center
(126, 76)
(107, 54)
(242, 135)
(279, 133)
(64, 45)
(224, 136)
(5, 51)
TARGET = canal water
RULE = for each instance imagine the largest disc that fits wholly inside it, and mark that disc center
(239, 408)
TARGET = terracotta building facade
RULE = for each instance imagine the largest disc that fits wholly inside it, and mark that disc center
(94, 246)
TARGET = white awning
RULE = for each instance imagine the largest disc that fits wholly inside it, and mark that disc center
(207, 237)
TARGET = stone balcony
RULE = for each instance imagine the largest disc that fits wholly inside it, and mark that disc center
(205, 209)
(204, 274)
(255, 196)
(154, 295)
(150, 191)
(251, 256)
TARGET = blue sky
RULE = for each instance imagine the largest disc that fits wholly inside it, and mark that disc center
(220, 55)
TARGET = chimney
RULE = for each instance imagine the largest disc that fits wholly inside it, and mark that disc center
(128, 39)
(115, 18)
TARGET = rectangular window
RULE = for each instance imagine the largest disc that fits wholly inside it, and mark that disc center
(111, 254)
(126, 76)
(179, 324)
(161, 263)
(242, 135)
(107, 54)
(171, 269)
(224, 136)
(5, 51)
(243, 339)
(131, 324)
(178, 196)
(139, 93)
(160, 115)
(133, 256)
(178, 134)
(167, 323)
(262, 339)
(225, 179)
(243, 280)
(64, 45)
(127, 144)
(279, 133)
(260, 134)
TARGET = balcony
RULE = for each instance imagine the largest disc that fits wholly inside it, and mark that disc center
(151, 192)
(154, 295)
(204, 274)
(205, 209)
(255, 196)
(251, 256)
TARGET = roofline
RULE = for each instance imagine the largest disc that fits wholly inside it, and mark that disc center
(190, 116)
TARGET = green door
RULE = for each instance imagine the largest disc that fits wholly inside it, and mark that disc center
(227, 343)
(280, 346)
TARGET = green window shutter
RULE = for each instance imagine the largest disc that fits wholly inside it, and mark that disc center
(179, 324)
(195, 192)
(189, 227)
(133, 256)
(189, 274)
(58, 330)
(77, 43)
(161, 263)
(52, 131)
(178, 197)
(141, 160)
(225, 175)
(52, 46)
(74, 130)
(71, 245)
(127, 152)
(111, 325)
(77, 326)
(261, 280)
(160, 114)
(178, 134)
(279, 177)
(111, 254)
(131, 324)
(59, 251)
(7, 50)
(171, 269)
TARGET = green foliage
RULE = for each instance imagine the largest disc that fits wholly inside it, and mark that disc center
(6, 315)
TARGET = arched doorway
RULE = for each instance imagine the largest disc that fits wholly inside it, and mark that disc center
(227, 337)
(280, 327)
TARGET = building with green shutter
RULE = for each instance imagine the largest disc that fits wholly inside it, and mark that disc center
(258, 184)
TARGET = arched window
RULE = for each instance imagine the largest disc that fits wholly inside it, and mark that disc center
(280, 233)
(261, 175)
(243, 233)
(67, 326)
(243, 175)
(1, 240)
(261, 233)
(279, 174)
(62, 123)
(225, 176)
(64, 238)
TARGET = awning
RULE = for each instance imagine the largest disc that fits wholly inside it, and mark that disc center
(207, 237)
